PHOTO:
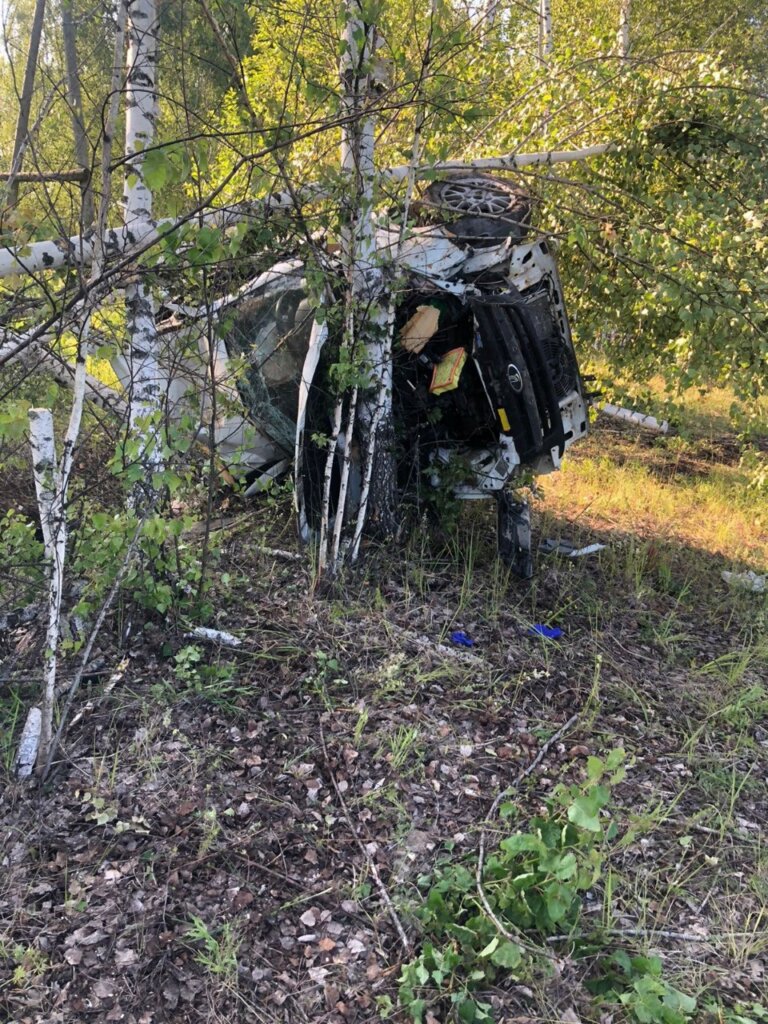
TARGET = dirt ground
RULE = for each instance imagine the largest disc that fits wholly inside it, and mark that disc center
(216, 837)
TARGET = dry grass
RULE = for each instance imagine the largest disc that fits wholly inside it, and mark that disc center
(690, 490)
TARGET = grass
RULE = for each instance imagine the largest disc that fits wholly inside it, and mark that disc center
(657, 655)
(666, 489)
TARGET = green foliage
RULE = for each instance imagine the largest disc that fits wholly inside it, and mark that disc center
(741, 1013)
(166, 576)
(636, 983)
(21, 555)
(215, 682)
(533, 882)
(217, 954)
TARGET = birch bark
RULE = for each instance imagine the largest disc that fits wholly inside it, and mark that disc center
(147, 383)
(625, 14)
(371, 319)
(546, 40)
(53, 526)
(78, 250)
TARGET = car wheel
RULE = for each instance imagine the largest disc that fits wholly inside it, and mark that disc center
(488, 210)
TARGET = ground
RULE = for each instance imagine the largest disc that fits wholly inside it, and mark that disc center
(220, 829)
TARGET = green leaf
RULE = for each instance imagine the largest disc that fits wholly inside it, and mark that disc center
(467, 1011)
(490, 948)
(584, 813)
(155, 169)
(417, 1008)
(508, 954)
(422, 974)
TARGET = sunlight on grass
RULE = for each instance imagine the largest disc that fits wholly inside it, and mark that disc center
(714, 513)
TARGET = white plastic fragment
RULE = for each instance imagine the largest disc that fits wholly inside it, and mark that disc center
(28, 744)
(746, 580)
(618, 412)
(214, 636)
(551, 546)
(590, 549)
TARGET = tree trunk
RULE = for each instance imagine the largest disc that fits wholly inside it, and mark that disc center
(75, 99)
(546, 41)
(370, 319)
(53, 526)
(36, 257)
(25, 104)
(625, 13)
(147, 383)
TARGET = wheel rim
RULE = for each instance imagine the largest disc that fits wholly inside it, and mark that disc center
(475, 196)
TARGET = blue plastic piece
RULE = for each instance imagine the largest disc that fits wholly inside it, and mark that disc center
(460, 638)
(550, 632)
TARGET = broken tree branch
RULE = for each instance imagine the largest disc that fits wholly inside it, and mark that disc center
(76, 250)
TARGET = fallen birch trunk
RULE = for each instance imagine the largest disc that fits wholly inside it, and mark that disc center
(101, 394)
(29, 744)
(618, 412)
(78, 250)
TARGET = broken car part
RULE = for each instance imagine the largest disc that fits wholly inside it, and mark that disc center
(486, 388)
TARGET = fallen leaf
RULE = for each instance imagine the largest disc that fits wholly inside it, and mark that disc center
(104, 988)
(125, 957)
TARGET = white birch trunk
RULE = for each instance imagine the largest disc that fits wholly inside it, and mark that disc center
(53, 525)
(78, 250)
(370, 319)
(507, 162)
(29, 744)
(622, 39)
(147, 383)
(546, 41)
(52, 487)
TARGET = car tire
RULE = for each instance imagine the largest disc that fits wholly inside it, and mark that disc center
(488, 209)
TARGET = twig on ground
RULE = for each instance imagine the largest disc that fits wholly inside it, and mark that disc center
(516, 936)
(369, 860)
(642, 933)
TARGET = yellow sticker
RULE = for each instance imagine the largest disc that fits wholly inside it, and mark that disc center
(504, 419)
(445, 376)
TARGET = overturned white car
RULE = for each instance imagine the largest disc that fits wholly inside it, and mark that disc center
(485, 378)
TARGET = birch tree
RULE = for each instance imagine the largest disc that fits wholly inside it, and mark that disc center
(546, 37)
(622, 39)
(142, 353)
